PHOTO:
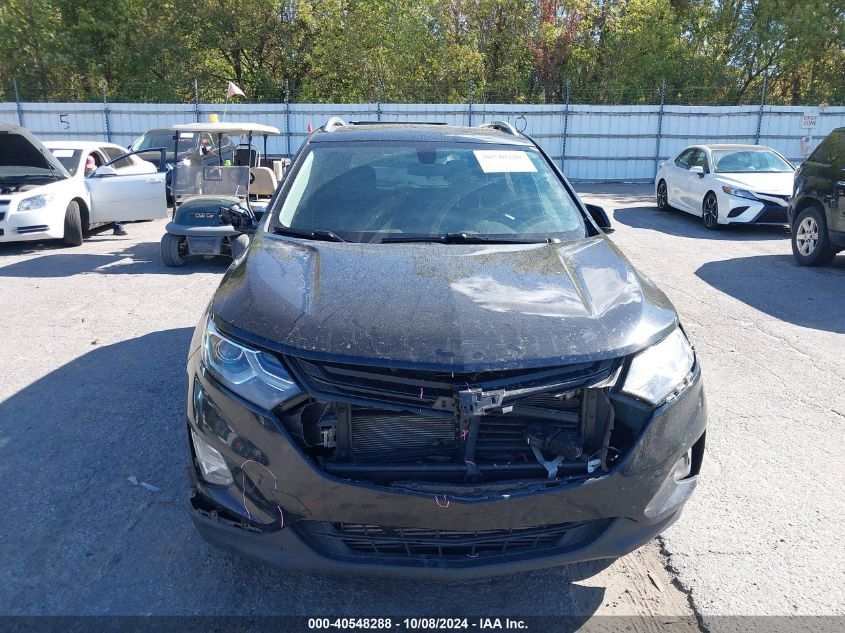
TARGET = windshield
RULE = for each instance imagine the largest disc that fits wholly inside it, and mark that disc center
(749, 161)
(69, 158)
(164, 138)
(394, 192)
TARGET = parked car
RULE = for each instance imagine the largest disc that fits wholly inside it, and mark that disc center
(45, 194)
(817, 212)
(727, 184)
(432, 361)
(195, 148)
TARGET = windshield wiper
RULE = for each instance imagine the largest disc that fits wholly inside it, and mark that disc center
(468, 238)
(318, 234)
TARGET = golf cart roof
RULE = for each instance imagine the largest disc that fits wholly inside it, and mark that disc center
(233, 127)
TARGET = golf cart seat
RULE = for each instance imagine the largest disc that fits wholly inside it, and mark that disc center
(264, 182)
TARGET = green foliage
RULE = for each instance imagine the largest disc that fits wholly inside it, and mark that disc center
(522, 51)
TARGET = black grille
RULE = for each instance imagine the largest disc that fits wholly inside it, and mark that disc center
(357, 539)
(427, 389)
(772, 214)
(35, 228)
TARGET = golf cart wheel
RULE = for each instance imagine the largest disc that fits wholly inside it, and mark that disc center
(239, 246)
(73, 225)
(173, 250)
(810, 242)
(710, 212)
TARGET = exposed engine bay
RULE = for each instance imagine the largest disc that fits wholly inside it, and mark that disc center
(547, 425)
(9, 186)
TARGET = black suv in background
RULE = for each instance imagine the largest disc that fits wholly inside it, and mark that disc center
(433, 361)
(817, 212)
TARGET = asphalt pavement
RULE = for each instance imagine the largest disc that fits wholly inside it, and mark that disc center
(92, 408)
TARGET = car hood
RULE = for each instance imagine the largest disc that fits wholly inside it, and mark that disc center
(21, 154)
(780, 184)
(461, 307)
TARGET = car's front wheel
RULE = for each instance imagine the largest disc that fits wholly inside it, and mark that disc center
(710, 211)
(663, 197)
(173, 250)
(810, 242)
(73, 225)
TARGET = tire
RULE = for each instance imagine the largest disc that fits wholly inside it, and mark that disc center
(239, 246)
(710, 212)
(663, 197)
(810, 241)
(73, 225)
(172, 250)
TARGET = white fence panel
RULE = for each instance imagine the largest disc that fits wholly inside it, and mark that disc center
(590, 142)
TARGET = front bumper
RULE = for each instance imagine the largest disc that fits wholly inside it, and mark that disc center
(266, 512)
(39, 224)
(747, 211)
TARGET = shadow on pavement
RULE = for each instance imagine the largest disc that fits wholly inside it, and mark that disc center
(79, 538)
(778, 286)
(684, 224)
(138, 258)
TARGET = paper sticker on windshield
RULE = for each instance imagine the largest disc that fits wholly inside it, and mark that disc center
(63, 153)
(186, 135)
(495, 161)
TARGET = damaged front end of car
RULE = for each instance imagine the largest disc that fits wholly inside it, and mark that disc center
(328, 466)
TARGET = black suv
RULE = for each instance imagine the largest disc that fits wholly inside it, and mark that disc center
(433, 361)
(817, 211)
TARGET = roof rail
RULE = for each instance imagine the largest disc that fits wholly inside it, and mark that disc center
(502, 126)
(334, 122)
(397, 123)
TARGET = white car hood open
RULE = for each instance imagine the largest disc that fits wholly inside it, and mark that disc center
(776, 183)
(21, 154)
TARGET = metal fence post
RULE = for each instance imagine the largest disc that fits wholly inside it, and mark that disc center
(659, 125)
(378, 100)
(567, 88)
(287, 115)
(197, 99)
(469, 104)
(106, 110)
(18, 102)
(760, 115)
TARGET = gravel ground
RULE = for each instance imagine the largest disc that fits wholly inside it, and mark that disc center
(95, 395)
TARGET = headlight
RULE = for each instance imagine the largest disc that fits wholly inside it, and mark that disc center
(253, 375)
(739, 193)
(661, 370)
(35, 202)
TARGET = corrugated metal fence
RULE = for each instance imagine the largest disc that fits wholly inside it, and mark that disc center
(591, 142)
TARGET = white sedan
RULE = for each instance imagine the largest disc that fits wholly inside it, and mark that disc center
(45, 192)
(727, 184)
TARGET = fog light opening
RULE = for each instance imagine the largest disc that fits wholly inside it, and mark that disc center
(683, 467)
(212, 466)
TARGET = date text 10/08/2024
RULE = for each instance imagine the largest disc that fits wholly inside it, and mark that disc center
(412, 624)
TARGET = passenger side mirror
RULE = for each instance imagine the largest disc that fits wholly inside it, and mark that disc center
(697, 169)
(599, 216)
(240, 217)
(104, 172)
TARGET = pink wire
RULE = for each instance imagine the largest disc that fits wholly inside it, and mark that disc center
(440, 505)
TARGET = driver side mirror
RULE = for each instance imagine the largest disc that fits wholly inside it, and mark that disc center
(104, 171)
(599, 217)
(241, 218)
(697, 169)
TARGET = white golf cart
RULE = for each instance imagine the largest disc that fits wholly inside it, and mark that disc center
(202, 192)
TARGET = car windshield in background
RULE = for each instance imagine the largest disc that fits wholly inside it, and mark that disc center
(384, 192)
(749, 161)
(69, 158)
(164, 139)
